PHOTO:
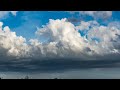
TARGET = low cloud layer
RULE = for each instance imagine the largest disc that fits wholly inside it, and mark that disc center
(88, 40)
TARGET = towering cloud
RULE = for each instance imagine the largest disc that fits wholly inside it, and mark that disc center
(64, 40)
(88, 40)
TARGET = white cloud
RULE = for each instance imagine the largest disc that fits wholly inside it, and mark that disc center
(63, 38)
(65, 35)
(11, 44)
(86, 25)
(107, 36)
(64, 41)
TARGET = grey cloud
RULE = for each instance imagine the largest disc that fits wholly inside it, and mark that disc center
(56, 65)
(74, 20)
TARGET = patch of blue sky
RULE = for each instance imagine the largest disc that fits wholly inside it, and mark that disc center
(115, 17)
(13, 21)
(25, 23)
(86, 17)
(83, 32)
(96, 39)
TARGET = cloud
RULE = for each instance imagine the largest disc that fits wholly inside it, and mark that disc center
(10, 44)
(74, 20)
(5, 13)
(65, 47)
(67, 41)
(114, 24)
(63, 40)
(95, 14)
(55, 65)
(99, 14)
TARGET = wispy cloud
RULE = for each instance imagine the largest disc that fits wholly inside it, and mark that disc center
(95, 14)
(5, 13)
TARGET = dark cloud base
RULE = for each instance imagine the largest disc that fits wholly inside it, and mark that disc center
(47, 66)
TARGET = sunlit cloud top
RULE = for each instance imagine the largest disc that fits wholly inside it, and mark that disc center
(53, 35)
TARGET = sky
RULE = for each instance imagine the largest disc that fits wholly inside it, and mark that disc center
(58, 41)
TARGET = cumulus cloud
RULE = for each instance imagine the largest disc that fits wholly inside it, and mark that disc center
(64, 40)
(98, 40)
(10, 44)
(5, 13)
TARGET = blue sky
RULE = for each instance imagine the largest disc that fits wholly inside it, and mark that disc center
(25, 22)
